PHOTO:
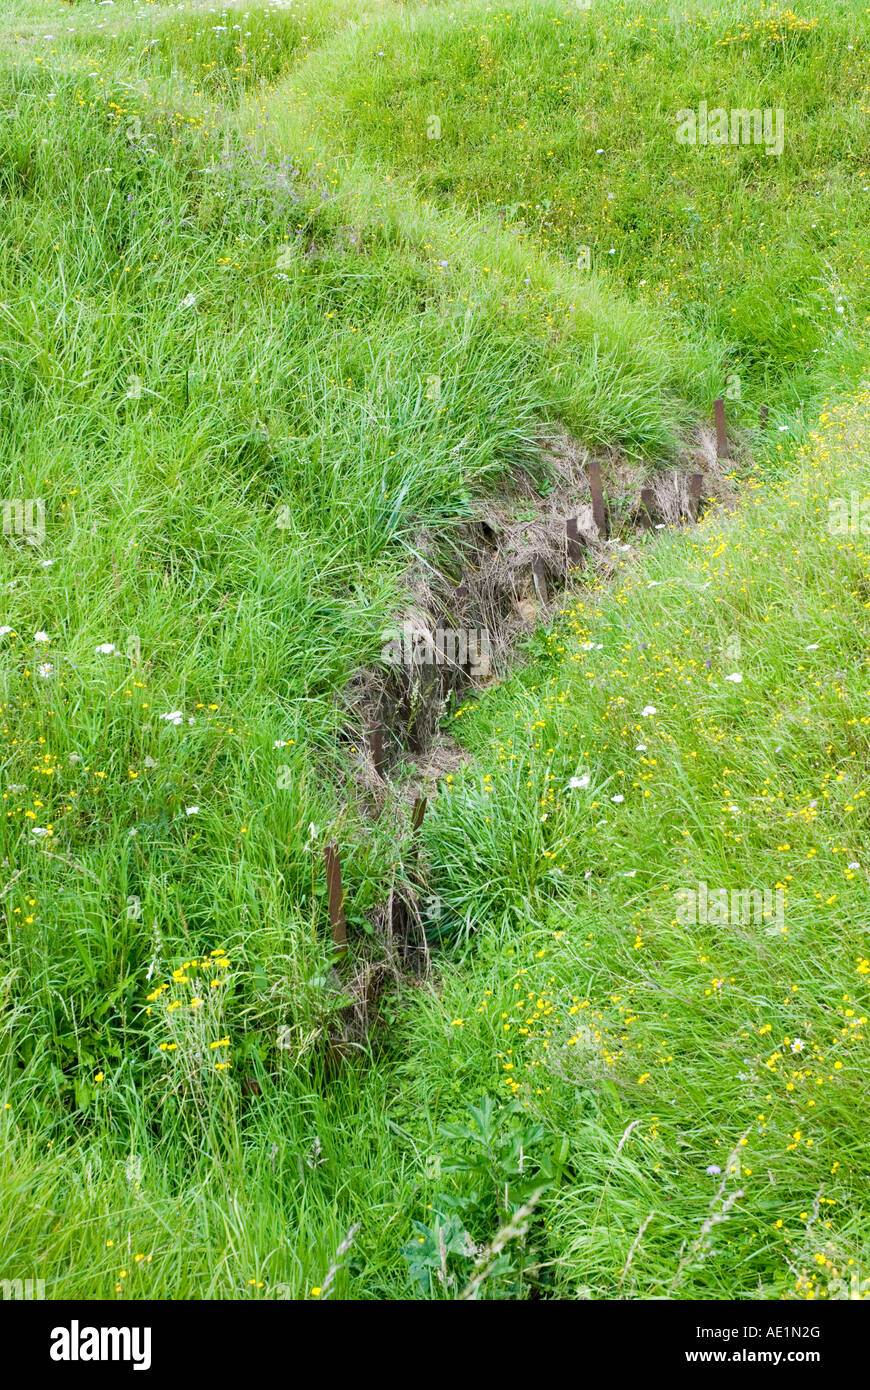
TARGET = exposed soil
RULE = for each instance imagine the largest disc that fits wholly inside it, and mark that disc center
(479, 589)
(474, 592)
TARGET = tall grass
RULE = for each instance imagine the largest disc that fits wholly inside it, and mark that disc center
(220, 326)
(558, 123)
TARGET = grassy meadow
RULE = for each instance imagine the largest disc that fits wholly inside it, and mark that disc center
(261, 331)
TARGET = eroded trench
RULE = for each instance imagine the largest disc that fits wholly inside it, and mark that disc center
(474, 594)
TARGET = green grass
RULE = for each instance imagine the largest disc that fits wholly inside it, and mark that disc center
(560, 122)
(597, 1003)
(224, 290)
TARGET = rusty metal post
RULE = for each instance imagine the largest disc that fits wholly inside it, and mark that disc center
(599, 511)
(376, 745)
(695, 483)
(540, 579)
(336, 898)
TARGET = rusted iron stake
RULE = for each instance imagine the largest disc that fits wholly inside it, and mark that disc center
(721, 429)
(376, 745)
(336, 898)
(599, 511)
(648, 502)
(540, 579)
(695, 483)
(575, 549)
